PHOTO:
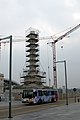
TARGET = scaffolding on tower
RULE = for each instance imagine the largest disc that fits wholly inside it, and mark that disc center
(32, 74)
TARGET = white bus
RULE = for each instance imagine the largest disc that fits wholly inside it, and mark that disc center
(34, 96)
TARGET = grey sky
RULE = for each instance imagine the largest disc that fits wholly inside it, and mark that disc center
(49, 17)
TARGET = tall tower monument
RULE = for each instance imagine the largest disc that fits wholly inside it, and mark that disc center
(32, 74)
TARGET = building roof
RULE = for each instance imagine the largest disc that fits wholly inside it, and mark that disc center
(6, 82)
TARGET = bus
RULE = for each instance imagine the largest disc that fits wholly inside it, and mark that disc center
(34, 96)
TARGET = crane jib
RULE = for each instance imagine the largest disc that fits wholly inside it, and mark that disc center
(67, 33)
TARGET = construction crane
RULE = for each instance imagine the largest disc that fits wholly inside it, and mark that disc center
(53, 48)
(54, 51)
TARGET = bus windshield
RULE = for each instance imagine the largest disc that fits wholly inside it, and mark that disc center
(29, 94)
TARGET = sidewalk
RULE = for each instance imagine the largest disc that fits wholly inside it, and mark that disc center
(6, 103)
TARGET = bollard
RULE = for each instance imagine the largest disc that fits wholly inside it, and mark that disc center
(75, 99)
(78, 99)
(0, 98)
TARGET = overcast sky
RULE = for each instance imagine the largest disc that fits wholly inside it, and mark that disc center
(49, 17)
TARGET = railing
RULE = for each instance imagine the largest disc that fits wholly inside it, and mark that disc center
(31, 30)
(29, 73)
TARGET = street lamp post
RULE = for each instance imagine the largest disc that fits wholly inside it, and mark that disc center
(66, 82)
(65, 79)
(10, 71)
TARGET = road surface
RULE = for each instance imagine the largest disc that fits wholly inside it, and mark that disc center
(70, 112)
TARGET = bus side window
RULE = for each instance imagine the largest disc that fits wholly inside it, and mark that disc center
(49, 92)
(34, 94)
(52, 92)
(40, 93)
(45, 93)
